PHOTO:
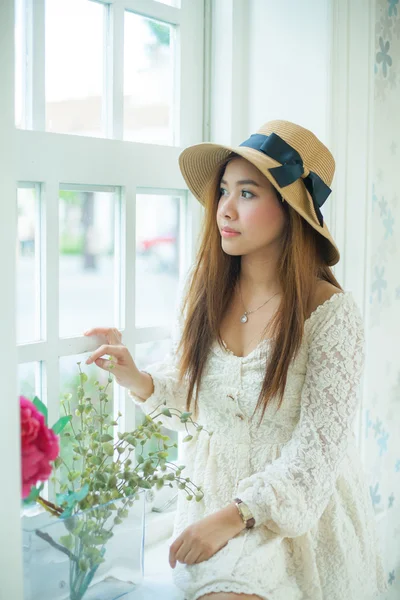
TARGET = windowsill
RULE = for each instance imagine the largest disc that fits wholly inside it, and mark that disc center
(158, 582)
(159, 527)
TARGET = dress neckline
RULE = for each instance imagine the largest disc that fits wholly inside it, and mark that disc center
(267, 341)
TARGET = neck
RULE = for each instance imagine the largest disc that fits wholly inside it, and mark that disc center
(259, 277)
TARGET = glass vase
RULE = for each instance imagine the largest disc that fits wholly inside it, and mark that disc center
(96, 554)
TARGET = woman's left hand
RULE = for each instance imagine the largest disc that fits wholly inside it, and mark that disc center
(203, 539)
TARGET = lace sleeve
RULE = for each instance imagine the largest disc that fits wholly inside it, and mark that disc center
(165, 378)
(291, 494)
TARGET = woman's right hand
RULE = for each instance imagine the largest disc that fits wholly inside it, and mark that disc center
(125, 370)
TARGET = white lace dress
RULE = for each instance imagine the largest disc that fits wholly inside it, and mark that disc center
(300, 472)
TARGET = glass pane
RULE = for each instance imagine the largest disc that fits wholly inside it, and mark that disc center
(86, 261)
(20, 64)
(147, 354)
(28, 326)
(74, 66)
(157, 259)
(69, 382)
(148, 80)
(27, 379)
(175, 3)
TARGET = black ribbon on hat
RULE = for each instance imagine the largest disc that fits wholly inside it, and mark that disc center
(292, 167)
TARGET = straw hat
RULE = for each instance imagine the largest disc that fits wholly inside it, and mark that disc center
(294, 160)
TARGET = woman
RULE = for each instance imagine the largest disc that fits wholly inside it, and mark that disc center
(269, 355)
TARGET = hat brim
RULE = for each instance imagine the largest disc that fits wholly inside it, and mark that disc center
(198, 164)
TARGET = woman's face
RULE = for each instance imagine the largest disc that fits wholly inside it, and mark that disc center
(248, 204)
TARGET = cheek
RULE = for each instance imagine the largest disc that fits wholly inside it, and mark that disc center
(263, 218)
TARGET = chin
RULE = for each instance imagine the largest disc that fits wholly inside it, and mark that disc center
(231, 252)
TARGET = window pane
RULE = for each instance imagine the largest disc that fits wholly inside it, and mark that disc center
(175, 3)
(74, 66)
(69, 382)
(28, 326)
(86, 260)
(27, 379)
(146, 354)
(157, 259)
(148, 80)
(20, 64)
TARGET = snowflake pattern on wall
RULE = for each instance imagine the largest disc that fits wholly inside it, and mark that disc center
(382, 406)
(387, 46)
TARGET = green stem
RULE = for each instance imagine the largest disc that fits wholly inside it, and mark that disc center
(49, 540)
(69, 471)
(49, 506)
(175, 412)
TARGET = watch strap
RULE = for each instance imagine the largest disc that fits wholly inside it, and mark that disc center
(245, 513)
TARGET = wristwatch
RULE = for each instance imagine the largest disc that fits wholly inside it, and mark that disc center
(245, 513)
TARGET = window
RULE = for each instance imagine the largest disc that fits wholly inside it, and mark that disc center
(89, 251)
(104, 219)
(28, 293)
(74, 66)
(149, 80)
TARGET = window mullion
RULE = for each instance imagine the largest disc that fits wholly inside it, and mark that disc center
(114, 80)
(49, 244)
(119, 259)
(153, 9)
(40, 228)
(128, 268)
(190, 95)
(50, 386)
(36, 80)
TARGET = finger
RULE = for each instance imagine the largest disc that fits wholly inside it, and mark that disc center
(97, 331)
(107, 365)
(116, 351)
(111, 333)
(172, 559)
(191, 557)
(173, 550)
(182, 552)
(200, 558)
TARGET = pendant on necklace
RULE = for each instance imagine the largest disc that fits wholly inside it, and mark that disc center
(244, 318)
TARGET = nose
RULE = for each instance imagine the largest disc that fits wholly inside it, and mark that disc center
(227, 206)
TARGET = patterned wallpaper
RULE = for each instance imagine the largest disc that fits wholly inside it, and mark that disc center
(382, 372)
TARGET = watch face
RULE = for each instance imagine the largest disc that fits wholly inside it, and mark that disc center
(246, 512)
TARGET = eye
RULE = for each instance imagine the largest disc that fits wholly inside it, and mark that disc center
(250, 194)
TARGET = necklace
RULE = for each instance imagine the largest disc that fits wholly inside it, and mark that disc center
(244, 317)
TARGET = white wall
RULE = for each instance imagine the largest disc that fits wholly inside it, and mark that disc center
(229, 61)
(382, 294)
(289, 71)
(289, 55)
(270, 60)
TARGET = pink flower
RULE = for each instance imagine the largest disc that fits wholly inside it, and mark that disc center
(39, 446)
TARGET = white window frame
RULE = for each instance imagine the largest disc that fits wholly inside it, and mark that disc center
(10, 528)
(53, 160)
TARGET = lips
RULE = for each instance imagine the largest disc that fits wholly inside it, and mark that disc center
(229, 230)
(229, 233)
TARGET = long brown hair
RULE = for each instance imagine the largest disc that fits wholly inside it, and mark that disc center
(213, 280)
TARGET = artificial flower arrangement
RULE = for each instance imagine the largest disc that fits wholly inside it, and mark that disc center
(99, 475)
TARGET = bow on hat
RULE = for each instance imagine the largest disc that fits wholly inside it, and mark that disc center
(292, 167)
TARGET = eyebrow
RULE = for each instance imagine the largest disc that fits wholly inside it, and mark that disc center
(243, 182)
